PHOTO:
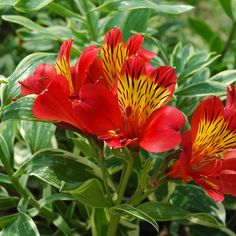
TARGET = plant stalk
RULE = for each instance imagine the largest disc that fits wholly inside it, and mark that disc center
(115, 219)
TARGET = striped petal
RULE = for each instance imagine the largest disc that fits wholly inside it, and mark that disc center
(214, 134)
(140, 94)
(114, 53)
(63, 62)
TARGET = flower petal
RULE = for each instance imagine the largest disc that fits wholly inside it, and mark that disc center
(140, 95)
(81, 69)
(39, 81)
(161, 130)
(97, 109)
(180, 168)
(54, 103)
(231, 100)
(63, 62)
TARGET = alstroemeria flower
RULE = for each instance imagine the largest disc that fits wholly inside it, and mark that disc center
(209, 155)
(114, 53)
(136, 115)
(58, 87)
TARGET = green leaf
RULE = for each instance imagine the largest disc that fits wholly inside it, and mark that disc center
(29, 24)
(127, 209)
(4, 179)
(3, 80)
(99, 222)
(63, 11)
(7, 2)
(7, 136)
(227, 6)
(20, 109)
(226, 77)
(136, 21)
(8, 202)
(201, 28)
(30, 5)
(167, 212)
(23, 226)
(7, 220)
(25, 68)
(34, 134)
(194, 199)
(54, 197)
(56, 167)
(196, 63)
(202, 89)
(142, 4)
(90, 193)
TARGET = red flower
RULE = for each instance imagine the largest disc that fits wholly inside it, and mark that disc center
(209, 155)
(136, 115)
(114, 53)
(58, 88)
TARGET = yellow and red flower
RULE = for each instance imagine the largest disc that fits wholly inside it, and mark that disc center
(136, 115)
(209, 148)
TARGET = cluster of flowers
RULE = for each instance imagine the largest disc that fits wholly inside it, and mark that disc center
(114, 93)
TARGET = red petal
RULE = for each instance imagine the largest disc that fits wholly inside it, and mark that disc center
(180, 168)
(231, 100)
(81, 68)
(228, 179)
(209, 110)
(161, 130)
(98, 110)
(39, 81)
(134, 44)
(54, 103)
(146, 54)
(113, 37)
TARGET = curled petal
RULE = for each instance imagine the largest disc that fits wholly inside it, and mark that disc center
(161, 130)
(81, 69)
(39, 81)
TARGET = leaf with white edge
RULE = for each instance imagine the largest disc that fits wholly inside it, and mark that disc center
(30, 5)
(194, 199)
(168, 212)
(89, 192)
(29, 24)
(34, 134)
(207, 88)
(57, 167)
(3, 80)
(126, 209)
(227, 77)
(23, 226)
(25, 68)
(21, 109)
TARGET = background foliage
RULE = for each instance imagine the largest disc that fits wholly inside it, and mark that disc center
(44, 188)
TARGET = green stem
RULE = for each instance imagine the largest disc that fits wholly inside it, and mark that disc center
(115, 219)
(103, 170)
(228, 42)
(89, 21)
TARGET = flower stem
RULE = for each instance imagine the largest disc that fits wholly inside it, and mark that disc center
(115, 219)
(103, 170)
(228, 42)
